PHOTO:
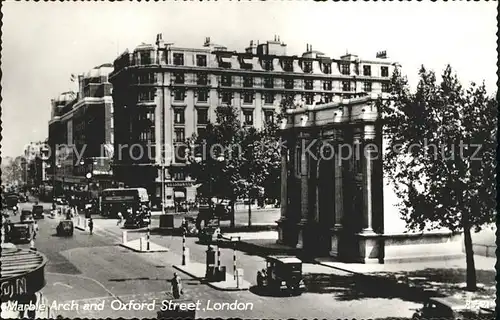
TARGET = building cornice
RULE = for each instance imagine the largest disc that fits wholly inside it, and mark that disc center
(194, 69)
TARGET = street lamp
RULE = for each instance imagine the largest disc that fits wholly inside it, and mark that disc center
(88, 176)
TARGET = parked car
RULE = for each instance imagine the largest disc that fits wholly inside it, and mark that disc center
(19, 232)
(449, 308)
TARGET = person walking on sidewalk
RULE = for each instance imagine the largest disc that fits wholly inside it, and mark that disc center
(176, 286)
(91, 225)
(120, 219)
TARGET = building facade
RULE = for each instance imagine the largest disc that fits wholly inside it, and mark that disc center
(36, 154)
(333, 190)
(164, 94)
(81, 135)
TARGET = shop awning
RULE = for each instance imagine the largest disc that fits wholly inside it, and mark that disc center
(179, 194)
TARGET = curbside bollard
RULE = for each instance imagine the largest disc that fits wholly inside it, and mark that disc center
(85, 224)
(124, 237)
(141, 243)
(239, 277)
(185, 258)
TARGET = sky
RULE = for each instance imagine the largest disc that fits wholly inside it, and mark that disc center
(45, 42)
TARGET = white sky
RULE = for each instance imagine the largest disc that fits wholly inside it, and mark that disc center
(43, 43)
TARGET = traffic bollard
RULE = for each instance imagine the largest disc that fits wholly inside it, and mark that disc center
(239, 277)
(185, 257)
(124, 237)
(218, 256)
(85, 224)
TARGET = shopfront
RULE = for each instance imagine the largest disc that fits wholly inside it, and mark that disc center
(22, 278)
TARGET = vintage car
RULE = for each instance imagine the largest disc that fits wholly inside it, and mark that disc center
(65, 228)
(210, 232)
(37, 212)
(189, 227)
(177, 309)
(282, 273)
(19, 232)
(450, 308)
(26, 215)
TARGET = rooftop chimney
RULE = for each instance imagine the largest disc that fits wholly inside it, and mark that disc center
(382, 55)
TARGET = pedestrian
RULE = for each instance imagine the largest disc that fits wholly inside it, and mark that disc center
(120, 218)
(91, 225)
(35, 230)
(176, 286)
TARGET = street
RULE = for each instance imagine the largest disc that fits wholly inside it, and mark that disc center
(94, 268)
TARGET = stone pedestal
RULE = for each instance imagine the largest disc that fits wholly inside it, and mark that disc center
(371, 247)
(334, 239)
(281, 226)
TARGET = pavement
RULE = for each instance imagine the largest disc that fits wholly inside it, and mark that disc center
(197, 271)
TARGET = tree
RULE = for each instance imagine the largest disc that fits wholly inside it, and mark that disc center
(440, 155)
(216, 160)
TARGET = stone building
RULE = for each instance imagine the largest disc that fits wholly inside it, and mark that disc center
(334, 197)
(164, 94)
(82, 121)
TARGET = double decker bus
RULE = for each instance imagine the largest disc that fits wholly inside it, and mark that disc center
(119, 200)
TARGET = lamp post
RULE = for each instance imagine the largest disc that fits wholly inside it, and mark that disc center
(88, 176)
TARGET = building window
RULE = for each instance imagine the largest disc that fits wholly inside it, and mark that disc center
(202, 132)
(202, 116)
(367, 70)
(385, 87)
(202, 96)
(346, 86)
(202, 79)
(180, 157)
(247, 82)
(150, 115)
(145, 57)
(308, 67)
(178, 59)
(327, 68)
(248, 114)
(267, 64)
(178, 77)
(327, 98)
(148, 95)
(268, 98)
(345, 68)
(268, 82)
(384, 71)
(179, 95)
(367, 86)
(288, 83)
(308, 84)
(309, 99)
(269, 116)
(226, 81)
(146, 78)
(201, 60)
(288, 65)
(179, 134)
(247, 97)
(327, 85)
(179, 116)
(226, 97)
